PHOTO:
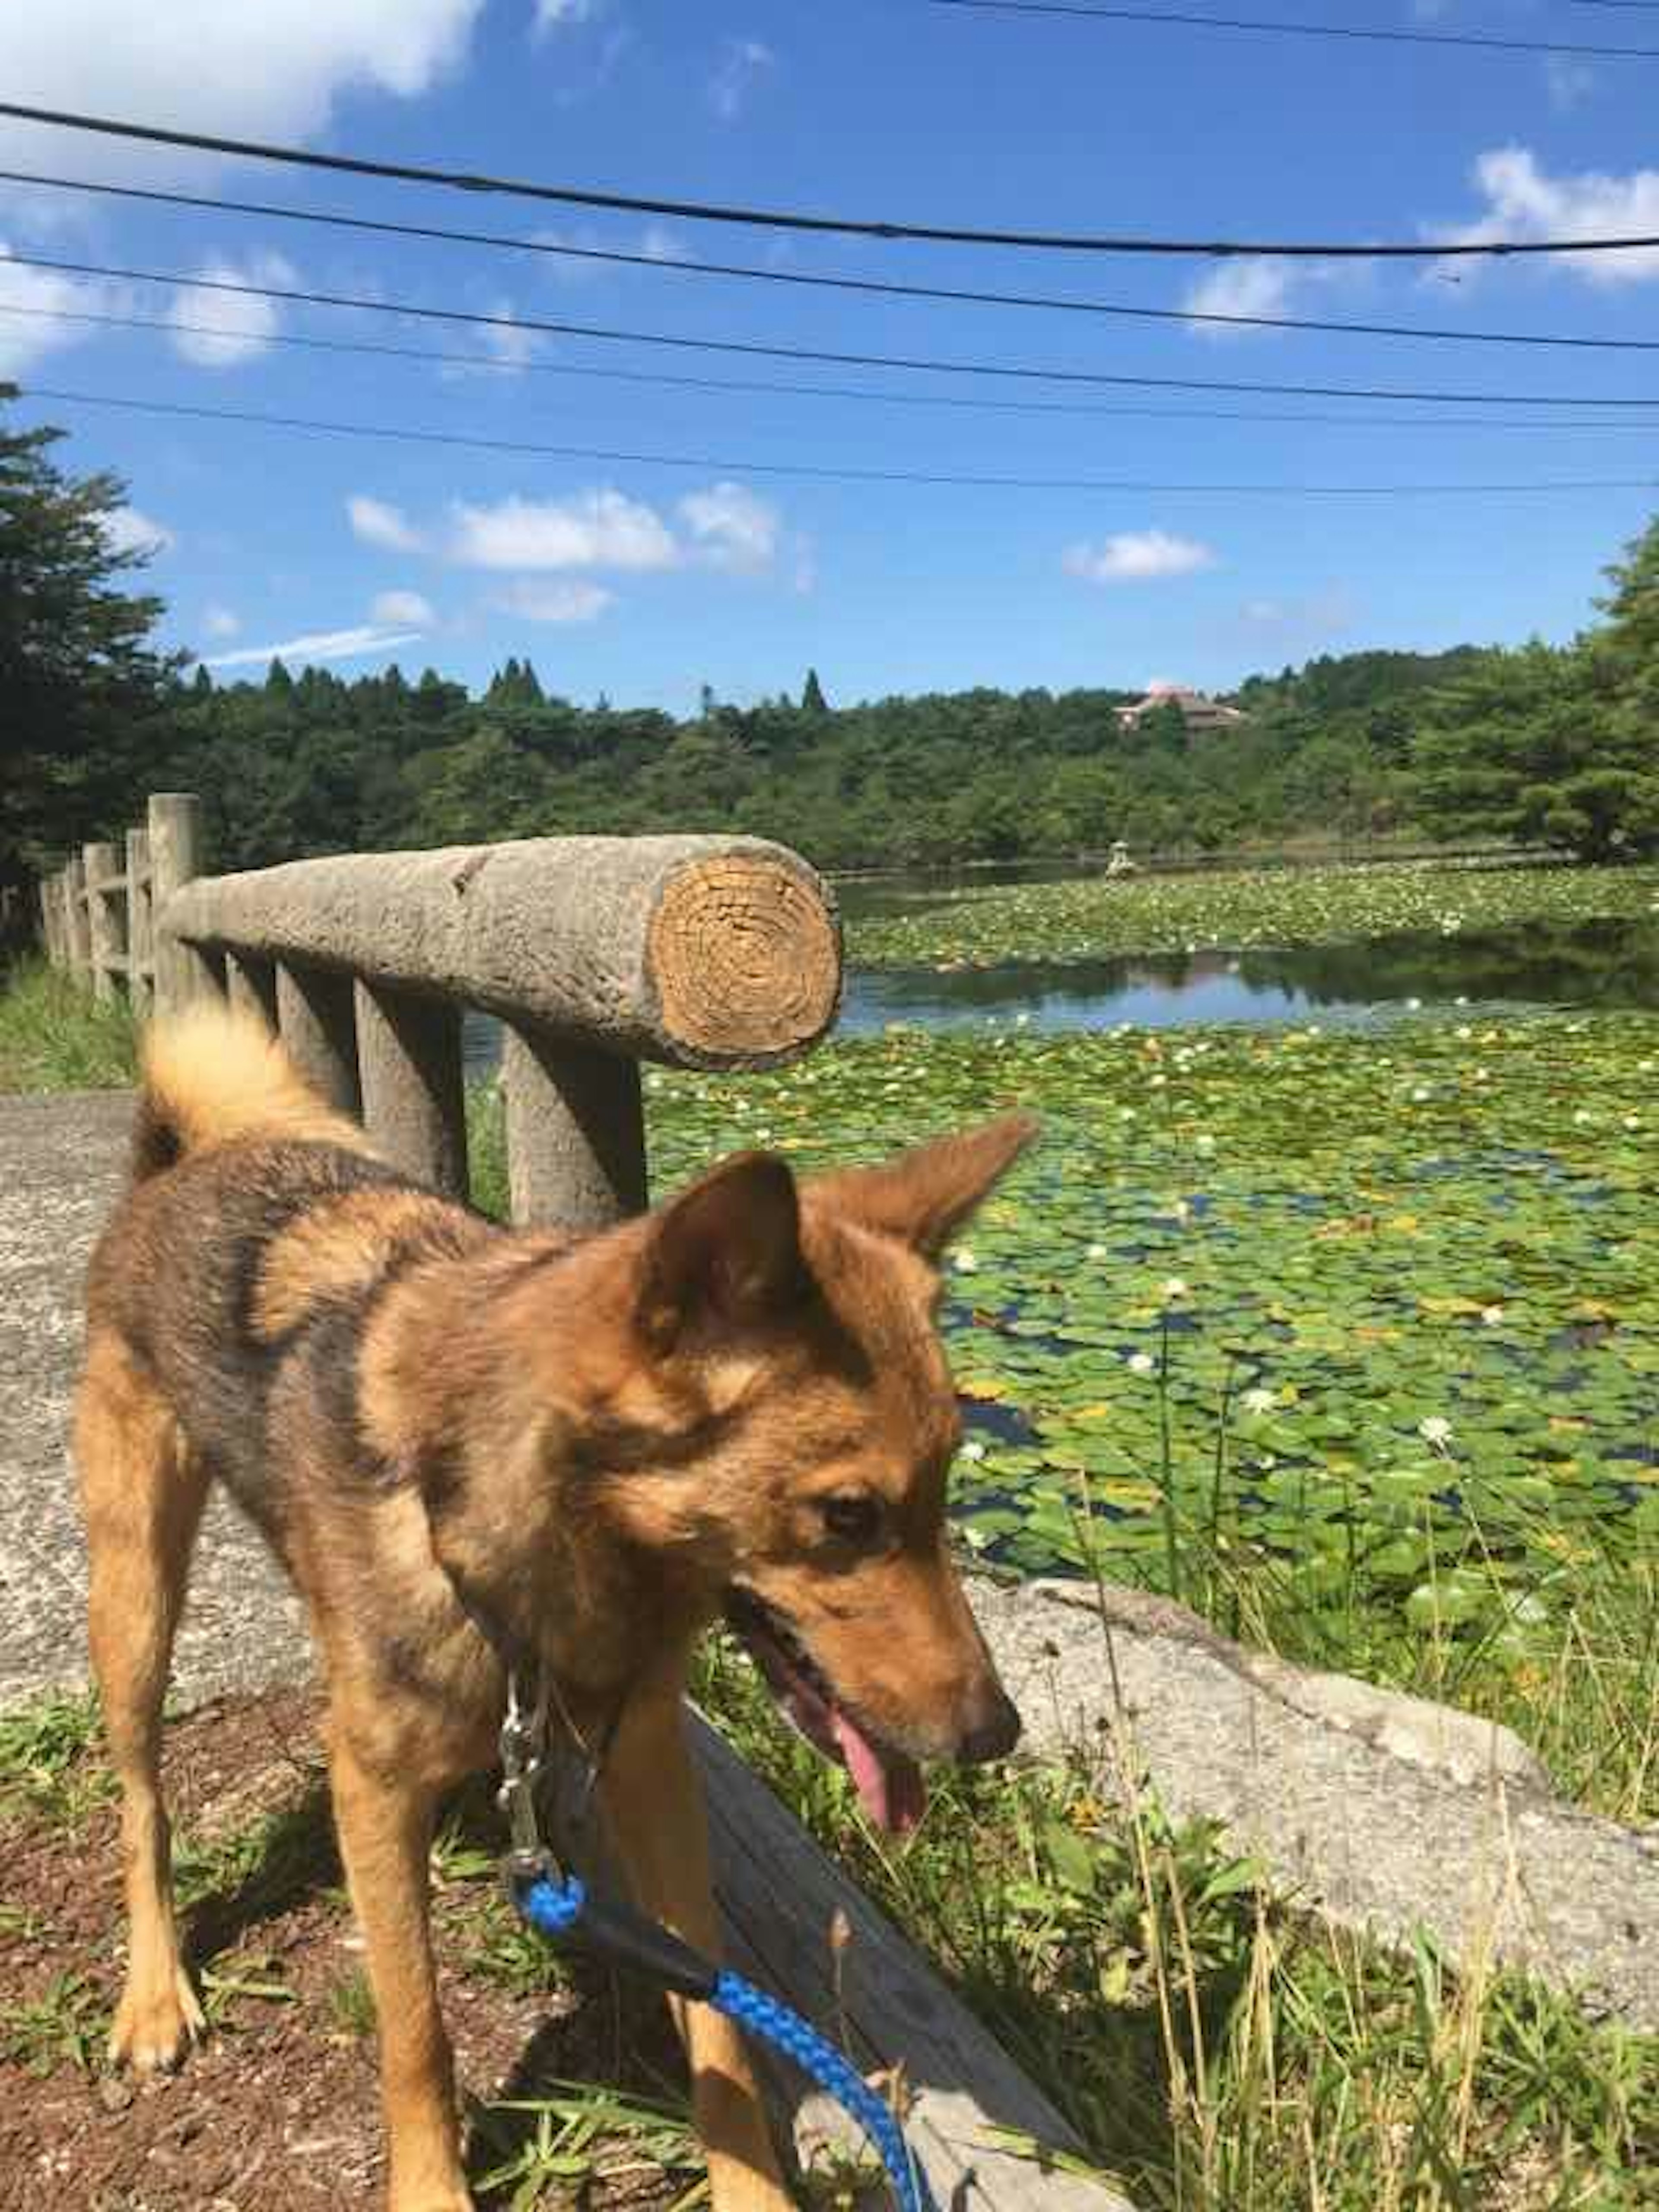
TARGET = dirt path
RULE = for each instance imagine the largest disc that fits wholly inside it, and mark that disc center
(62, 1159)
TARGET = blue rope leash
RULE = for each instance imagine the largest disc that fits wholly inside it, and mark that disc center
(554, 1905)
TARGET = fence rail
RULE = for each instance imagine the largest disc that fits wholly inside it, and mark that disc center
(596, 953)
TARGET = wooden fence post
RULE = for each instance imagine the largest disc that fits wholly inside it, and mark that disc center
(576, 1130)
(141, 939)
(409, 1062)
(318, 1025)
(80, 928)
(103, 924)
(49, 919)
(175, 856)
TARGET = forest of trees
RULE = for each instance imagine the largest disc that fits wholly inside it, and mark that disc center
(1539, 743)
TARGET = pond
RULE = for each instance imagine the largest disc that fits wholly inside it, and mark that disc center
(1609, 963)
(1612, 965)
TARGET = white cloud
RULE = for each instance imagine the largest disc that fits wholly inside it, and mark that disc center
(36, 295)
(577, 601)
(561, 14)
(377, 523)
(657, 243)
(317, 645)
(220, 621)
(591, 530)
(1326, 613)
(508, 343)
(1244, 287)
(221, 329)
(722, 526)
(1568, 81)
(129, 531)
(403, 610)
(1524, 202)
(742, 64)
(732, 527)
(1136, 557)
(271, 71)
(654, 240)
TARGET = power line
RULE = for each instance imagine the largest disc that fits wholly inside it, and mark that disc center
(755, 348)
(883, 288)
(1482, 41)
(724, 465)
(750, 386)
(794, 220)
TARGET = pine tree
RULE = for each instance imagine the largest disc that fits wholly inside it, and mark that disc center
(81, 688)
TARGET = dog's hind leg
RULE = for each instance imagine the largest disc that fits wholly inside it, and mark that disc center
(142, 1493)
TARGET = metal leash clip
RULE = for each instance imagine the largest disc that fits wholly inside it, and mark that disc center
(523, 1744)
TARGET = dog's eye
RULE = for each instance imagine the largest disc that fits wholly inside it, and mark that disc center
(851, 1518)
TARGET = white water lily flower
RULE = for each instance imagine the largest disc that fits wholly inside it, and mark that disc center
(974, 1449)
(1435, 1429)
(1098, 1252)
(1126, 1113)
(1204, 1147)
(1414, 1006)
(1583, 1119)
(1173, 1287)
(1493, 1316)
(1259, 1400)
(963, 1262)
(1632, 1120)
(1158, 1081)
(1464, 1033)
(1142, 1363)
(1419, 1096)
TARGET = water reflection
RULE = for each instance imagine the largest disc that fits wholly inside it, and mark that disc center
(1601, 963)
(1604, 964)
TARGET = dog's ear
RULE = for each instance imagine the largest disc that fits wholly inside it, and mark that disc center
(923, 1195)
(725, 1255)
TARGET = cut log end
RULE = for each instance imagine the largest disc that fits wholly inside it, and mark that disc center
(744, 954)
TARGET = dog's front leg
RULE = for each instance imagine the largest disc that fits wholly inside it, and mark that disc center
(385, 1822)
(654, 1811)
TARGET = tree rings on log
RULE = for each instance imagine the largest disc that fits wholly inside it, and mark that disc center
(746, 957)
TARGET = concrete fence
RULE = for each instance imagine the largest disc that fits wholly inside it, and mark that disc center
(595, 952)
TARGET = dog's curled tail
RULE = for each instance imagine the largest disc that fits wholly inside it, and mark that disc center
(213, 1073)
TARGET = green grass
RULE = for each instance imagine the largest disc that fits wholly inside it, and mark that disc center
(54, 1036)
(1218, 2052)
(44, 1768)
(65, 2026)
(1095, 916)
(579, 2135)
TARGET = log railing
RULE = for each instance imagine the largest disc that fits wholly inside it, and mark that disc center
(594, 952)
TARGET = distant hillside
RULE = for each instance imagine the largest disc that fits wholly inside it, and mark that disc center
(316, 764)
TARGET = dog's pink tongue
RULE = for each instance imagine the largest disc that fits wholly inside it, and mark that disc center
(890, 1786)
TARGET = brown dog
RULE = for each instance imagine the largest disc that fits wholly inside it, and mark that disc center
(464, 1442)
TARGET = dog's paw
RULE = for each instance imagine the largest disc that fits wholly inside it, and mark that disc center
(156, 2026)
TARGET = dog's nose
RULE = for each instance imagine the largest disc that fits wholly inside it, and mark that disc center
(993, 1733)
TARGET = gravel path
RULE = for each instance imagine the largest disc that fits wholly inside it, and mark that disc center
(62, 1159)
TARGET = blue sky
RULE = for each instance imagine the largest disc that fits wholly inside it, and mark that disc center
(645, 581)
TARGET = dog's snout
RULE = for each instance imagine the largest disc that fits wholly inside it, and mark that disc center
(993, 1730)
